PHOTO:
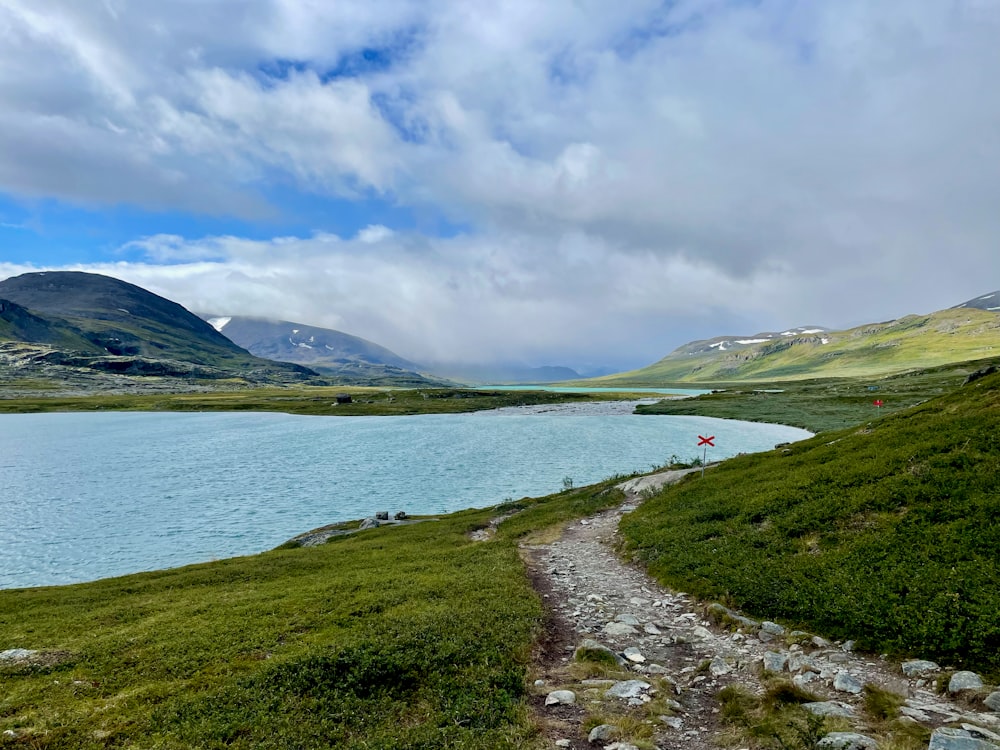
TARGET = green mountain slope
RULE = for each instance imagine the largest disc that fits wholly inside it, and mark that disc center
(19, 324)
(125, 327)
(887, 533)
(909, 343)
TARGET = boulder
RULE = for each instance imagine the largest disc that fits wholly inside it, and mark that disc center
(592, 650)
(992, 701)
(845, 682)
(964, 681)
(847, 741)
(368, 523)
(628, 689)
(603, 733)
(719, 667)
(774, 661)
(919, 667)
(947, 738)
(560, 698)
(619, 628)
(634, 655)
(829, 708)
(17, 654)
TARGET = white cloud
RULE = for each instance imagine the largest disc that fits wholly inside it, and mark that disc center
(625, 168)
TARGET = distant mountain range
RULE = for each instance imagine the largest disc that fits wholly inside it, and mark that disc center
(501, 374)
(83, 322)
(968, 331)
(322, 349)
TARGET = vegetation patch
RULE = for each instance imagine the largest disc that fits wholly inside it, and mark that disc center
(899, 520)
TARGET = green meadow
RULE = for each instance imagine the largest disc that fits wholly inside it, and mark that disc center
(398, 637)
(885, 531)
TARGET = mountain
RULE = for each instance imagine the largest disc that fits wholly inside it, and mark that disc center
(108, 324)
(966, 332)
(499, 374)
(989, 302)
(322, 349)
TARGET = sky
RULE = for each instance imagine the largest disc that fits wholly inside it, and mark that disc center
(573, 182)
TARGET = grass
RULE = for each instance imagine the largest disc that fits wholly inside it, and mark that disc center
(821, 404)
(406, 637)
(885, 533)
(872, 350)
(415, 637)
(310, 400)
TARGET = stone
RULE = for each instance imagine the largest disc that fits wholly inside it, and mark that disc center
(766, 637)
(847, 741)
(619, 628)
(621, 746)
(992, 701)
(651, 629)
(802, 663)
(560, 698)
(17, 654)
(673, 722)
(919, 667)
(774, 661)
(948, 738)
(702, 633)
(849, 646)
(564, 743)
(977, 731)
(914, 713)
(628, 619)
(819, 642)
(829, 708)
(719, 667)
(805, 678)
(845, 682)
(772, 627)
(588, 644)
(603, 733)
(401, 516)
(964, 681)
(628, 689)
(634, 655)
(382, 515)
(368, 523)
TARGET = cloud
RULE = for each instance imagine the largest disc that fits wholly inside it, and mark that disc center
(625, 175)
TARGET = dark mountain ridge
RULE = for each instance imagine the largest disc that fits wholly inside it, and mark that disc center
(106, 324)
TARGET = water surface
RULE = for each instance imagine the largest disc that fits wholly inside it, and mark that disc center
(87, 496)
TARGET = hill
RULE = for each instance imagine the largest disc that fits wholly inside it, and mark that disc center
(94, 321)
(912, 342)
(885, 532)
(327, 351)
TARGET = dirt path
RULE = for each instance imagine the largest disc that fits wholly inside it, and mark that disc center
(684, 659)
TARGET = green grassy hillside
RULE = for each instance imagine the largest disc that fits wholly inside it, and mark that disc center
(888, 532)
(394, 638)
(912, 342)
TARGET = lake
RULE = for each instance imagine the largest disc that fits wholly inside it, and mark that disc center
(87, 496)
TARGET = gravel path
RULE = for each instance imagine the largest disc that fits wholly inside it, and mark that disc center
(591, 594)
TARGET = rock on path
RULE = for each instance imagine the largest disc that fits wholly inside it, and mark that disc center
(665, 639)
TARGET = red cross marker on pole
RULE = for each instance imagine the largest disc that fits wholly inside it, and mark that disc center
(706, 441)
(878, 403)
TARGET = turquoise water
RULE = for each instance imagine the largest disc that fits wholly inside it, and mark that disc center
(87, 496)
(575, 389)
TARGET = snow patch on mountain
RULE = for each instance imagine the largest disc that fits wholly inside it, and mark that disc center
(219, 323)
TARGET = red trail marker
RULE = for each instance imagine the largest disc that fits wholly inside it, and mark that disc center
(706, 441)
